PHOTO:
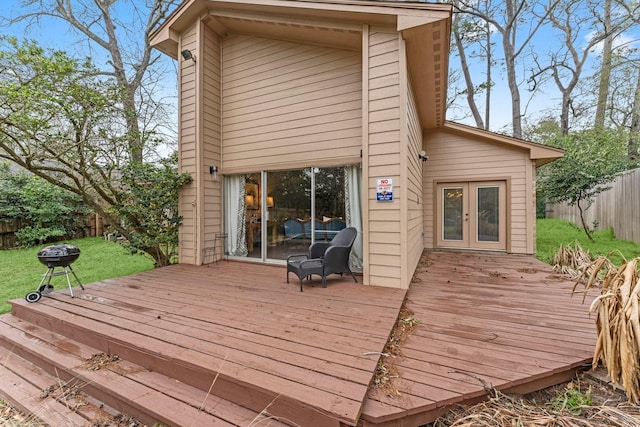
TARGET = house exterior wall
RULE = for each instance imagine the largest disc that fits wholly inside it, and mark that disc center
(200, 143)
(188, 155)
(211, 138)
(287, 105)
(454, 157)
(382, 150)
(414, 197)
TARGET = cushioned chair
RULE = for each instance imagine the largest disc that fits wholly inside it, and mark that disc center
(324, 258)
(293, 230)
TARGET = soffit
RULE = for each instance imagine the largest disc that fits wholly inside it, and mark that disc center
(314, 21)
(343, 36)
(424, 27)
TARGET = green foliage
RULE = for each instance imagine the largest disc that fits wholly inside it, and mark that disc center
(99, 260)
(571, 399)
(592, 160)
(551, 233)
(46, 211)
(64, 121)
(150, 207)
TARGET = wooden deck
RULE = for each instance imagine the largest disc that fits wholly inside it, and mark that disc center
(503, 321)
(229, 343)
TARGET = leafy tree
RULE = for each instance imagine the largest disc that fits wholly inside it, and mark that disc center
(47, 211)
(151, 207)
(62, 121)
(507, 18)
(566, 64)
(474, 34)
(593, 158)
(119, 31)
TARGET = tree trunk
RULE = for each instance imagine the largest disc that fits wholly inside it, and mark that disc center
(487, 99)
(516, 112)
(605, 68)
(467, 78)
(584, 224)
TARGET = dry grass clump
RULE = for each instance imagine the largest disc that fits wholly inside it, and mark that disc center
(617, 311)
(576, 262)
(504, 410)
(386, 370)
(9, 417)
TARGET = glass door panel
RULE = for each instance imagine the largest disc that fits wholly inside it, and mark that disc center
(488, 214)
(288, 206)
(328, 206)
(453, 213)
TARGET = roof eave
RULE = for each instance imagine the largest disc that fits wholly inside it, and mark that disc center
(539, 153)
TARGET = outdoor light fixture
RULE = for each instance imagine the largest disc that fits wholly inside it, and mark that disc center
(423, 156)
(187, 55)
(213, 170)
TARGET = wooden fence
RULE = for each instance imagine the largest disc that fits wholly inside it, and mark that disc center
(618, 208)
(94, 226)
(7, 233)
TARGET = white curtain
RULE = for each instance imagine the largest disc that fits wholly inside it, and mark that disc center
(353, 207)
(234, 214)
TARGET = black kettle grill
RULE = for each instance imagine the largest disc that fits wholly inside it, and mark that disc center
(55, 256)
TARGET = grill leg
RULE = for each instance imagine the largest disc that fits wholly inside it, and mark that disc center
(77, 280)
(45, 276)
(66, 273)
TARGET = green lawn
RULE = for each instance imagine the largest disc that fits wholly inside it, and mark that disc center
(551, 233)
(99, 260)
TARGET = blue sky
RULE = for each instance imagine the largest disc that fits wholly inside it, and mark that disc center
(57, 34)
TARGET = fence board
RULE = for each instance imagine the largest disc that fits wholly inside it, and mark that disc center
(617, 207)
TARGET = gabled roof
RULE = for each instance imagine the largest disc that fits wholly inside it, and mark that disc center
(542, 154)
(425, 28)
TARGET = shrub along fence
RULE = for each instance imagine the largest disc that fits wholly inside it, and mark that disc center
(616, 207)
(94, 226)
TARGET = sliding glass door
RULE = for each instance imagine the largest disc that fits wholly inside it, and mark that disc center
(283, 212)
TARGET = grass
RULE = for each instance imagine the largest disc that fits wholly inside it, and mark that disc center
(551, 233)
(99, 260)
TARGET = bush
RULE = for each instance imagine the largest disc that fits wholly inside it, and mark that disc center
(49, 211)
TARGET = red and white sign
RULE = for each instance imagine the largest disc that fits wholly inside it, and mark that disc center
(384, 189)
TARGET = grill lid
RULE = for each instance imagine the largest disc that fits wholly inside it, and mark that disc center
(58, 255)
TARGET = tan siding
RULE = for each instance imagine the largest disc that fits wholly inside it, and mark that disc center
(414, 185)
(211, 142)
(453, 157)
(383, 160)
(282, 98)
(187, 146)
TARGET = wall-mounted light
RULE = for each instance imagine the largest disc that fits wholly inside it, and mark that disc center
(423, 156)
(269, 201)
(213, 170)
(187, 55)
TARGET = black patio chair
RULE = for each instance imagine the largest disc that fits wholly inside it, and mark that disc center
(324, 258)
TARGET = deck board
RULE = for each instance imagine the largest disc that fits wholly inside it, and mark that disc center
(239, 331)
(504, 321)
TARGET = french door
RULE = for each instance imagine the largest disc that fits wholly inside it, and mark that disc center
(472, 215)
